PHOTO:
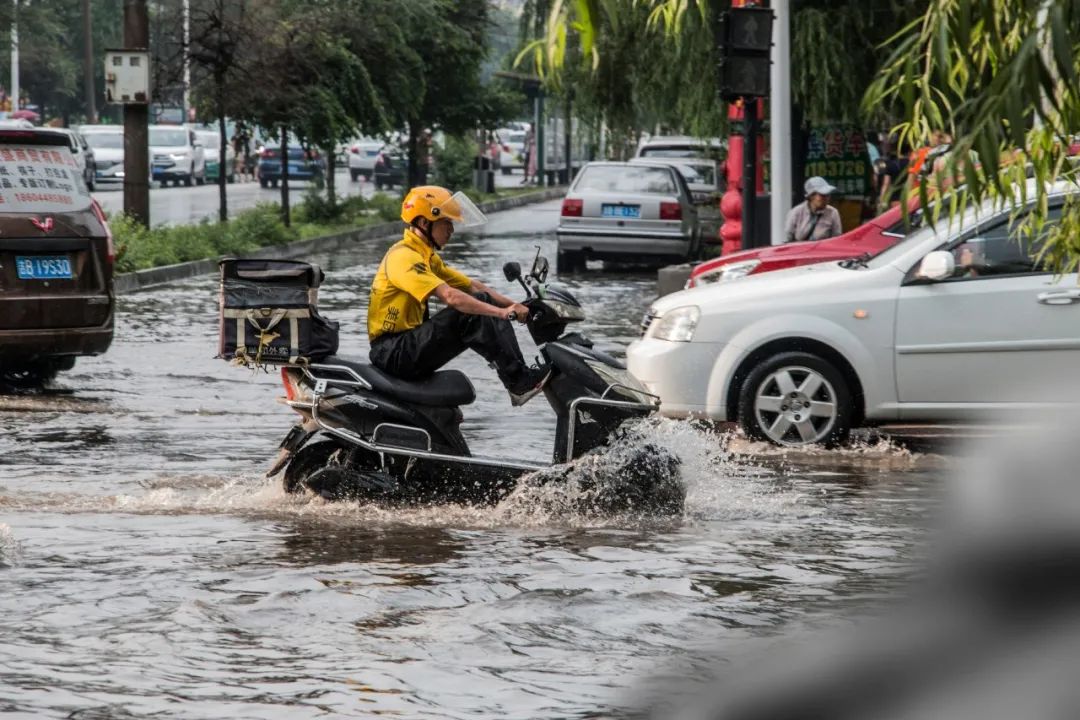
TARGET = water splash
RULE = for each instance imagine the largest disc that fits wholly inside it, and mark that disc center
(609, 487)
(10, 548)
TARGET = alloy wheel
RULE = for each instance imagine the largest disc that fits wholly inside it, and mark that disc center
(795, 405)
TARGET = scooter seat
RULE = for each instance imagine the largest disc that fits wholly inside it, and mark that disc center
(446, 388)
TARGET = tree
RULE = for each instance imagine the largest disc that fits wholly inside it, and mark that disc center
(652, 62)
(222, 39)
(1001, 76)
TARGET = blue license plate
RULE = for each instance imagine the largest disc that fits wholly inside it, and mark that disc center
(43, 267)
(620, 211)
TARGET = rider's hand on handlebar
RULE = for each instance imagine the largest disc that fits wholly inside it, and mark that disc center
(521, 312)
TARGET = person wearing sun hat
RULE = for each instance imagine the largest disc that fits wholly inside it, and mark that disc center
(814, 219)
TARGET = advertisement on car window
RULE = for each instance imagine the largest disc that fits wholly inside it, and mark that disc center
(40, 179)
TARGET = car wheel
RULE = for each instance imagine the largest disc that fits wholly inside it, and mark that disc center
(354, 174)
(568, 261)
(796, 399)
(264, 182)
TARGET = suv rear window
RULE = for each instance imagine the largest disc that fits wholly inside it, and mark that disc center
(630, 179)
(40, 179)
(168, 138)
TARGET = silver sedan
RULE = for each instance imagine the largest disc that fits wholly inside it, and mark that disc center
(627, 212)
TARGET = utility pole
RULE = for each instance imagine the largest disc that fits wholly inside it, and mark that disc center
(749, 175)
(15, 57)
(136, 132)
(539, 135)
(88, 64)
(780, 119)
(187, 64)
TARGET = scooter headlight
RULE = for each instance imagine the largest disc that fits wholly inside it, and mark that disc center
(565, 311)
(625, 384)
(676, 325)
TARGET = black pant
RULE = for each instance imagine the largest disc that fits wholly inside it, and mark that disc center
(416, 354)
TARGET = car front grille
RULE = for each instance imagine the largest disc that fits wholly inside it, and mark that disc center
(646, 321)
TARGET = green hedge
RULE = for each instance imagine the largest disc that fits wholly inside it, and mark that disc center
(139, 248)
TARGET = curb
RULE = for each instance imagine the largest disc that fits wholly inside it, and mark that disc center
(126, 283)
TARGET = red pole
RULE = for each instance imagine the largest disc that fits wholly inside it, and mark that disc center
(731, 202)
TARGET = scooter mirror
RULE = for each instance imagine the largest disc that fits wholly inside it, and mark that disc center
(540, 269)
(512, 271)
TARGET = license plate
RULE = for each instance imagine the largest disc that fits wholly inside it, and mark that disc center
(43, 267)
(620, 211)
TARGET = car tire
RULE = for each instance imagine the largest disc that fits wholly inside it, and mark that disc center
(264, 182)
(568, 261)
(795, 399)
(354, 174)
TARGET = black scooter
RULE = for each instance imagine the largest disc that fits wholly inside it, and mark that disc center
(367, 435)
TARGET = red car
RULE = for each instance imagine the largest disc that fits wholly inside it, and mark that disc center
(871, 237)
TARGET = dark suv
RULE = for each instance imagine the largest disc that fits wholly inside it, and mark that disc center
(56, 260)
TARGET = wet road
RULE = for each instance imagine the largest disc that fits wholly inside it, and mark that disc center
(149, 569)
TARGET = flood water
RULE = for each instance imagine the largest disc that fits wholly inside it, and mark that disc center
(149, 570)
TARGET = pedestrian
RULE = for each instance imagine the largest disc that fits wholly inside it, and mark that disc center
(814, 219)
(890, 172)
(529, 163)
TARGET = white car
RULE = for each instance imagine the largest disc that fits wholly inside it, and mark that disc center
(631, 213)
(681, 146)
(362, 156)
(957, 322)
(511, 149)
(107, 142)
(211, 140)
(177, 155)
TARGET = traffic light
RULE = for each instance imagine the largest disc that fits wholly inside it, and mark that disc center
(743, 43)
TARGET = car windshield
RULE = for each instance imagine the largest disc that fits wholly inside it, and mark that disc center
(210, 141)
(107, 141)
(628, 179)
(40, 179)
(168, 138)
(517, 137)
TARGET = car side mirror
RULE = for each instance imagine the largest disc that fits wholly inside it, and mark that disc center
(937, 265)
(512, 271)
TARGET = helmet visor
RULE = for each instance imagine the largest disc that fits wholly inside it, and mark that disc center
(460, 210)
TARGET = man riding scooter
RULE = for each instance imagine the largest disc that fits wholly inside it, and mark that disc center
(408, 342)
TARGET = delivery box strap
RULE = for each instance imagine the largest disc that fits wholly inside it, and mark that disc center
(265, 320)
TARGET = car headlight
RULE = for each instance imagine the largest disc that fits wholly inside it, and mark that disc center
(626, 384)
(676, 325)
(178, 156)
(734, 271)
(565, 311)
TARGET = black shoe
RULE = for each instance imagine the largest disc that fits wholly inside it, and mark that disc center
(529, 384)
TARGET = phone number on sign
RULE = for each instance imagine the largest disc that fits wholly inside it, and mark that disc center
(44, 197)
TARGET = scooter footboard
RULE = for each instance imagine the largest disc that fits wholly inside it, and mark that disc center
(592, 420)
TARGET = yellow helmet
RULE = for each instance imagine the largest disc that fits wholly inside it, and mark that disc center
(436, 203)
